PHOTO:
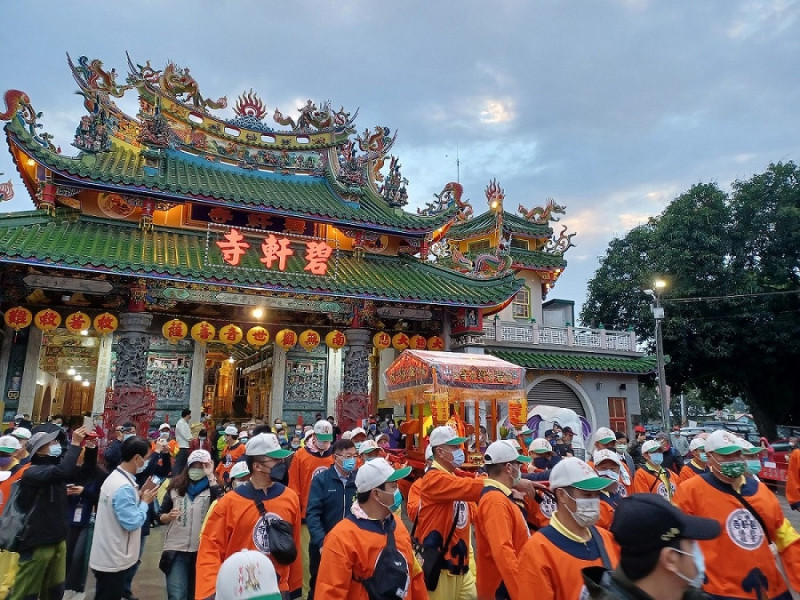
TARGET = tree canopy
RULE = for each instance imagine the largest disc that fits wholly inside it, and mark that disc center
(732, 301)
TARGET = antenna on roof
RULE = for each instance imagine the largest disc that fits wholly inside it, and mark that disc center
(458, 165)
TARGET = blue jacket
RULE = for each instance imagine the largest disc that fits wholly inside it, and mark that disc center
(329, 501)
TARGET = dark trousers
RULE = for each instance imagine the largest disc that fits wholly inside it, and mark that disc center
(77, 558)
(314, 558)
(110, 586)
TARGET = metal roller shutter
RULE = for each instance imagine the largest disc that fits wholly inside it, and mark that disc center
(555, 393)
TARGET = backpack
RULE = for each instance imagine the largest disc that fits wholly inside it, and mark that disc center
(13, 521)
(390, 578)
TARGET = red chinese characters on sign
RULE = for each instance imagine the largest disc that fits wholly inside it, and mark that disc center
(233, 248)
(276, 249)
(78, 322)
(18, 317)
(317, 255)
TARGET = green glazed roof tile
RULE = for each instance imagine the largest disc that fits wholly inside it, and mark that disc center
(89, 243)
(535, 259)
(577, 362)
(486, 223)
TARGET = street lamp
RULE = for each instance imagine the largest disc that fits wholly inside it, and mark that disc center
(658, 315)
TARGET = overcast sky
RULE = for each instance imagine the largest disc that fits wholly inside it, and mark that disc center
(612, 108)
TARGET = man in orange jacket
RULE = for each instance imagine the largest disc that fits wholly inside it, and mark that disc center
(740, 562)
(308, 462)
(239, 519)
(653, 478)
(234, 450)
(697, 465)
(352, 549)
(793, 478)
(500, 527)
(552, 559)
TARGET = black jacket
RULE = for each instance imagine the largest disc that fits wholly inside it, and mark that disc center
(607, 585)
(329, 501)
(43, 488)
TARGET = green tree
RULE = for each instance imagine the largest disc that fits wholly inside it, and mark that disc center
(722, 249)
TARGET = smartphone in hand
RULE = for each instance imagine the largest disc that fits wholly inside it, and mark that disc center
(152, 482)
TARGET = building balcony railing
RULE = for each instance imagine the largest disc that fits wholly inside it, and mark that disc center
(503, 332)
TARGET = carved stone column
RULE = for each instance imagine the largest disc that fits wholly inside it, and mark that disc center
(356, 362)
(132, 346)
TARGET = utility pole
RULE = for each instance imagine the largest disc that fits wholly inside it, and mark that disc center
(658, 315)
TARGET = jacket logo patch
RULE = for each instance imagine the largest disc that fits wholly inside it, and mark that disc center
(744, 530)
(460, 510)
(260, 535)
(548, 506)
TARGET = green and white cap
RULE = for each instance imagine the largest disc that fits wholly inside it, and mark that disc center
(445, 435)
(502, 451)
(247, 575)
(723, 442)
(377, 472)
(573, 472)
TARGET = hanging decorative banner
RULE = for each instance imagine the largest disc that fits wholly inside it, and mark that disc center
(230, 334)
(436, 343)
(381, 340)
(18, 317)
(286, 339)
(400, 341)
(47, 319)
(335, 340)
(440, 408)
(175, 330)
(518, 411)
(203, 332)
(257, 336)
(105, 323)
(417, 342)
(77, 322)
(309, 339)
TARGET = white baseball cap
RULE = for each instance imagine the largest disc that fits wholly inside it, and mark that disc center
(247, 575)
(22, 433)
(368, 446)
(201, 456)
(446, 435)
(9, 444)
(377, 472)
(244, 433)
(323, 430)
(502, 451)
(164, 426)
(525, 430)
(239, 469)
(231, 430)
(381, 435)
(723, 442)
(4, 475)
(347, 435)
(429, 452)
(697, 443)
(540, 446)
(605, 454)
(651, 446)
(748, 448)
(604, 435)
(573, 472)
(265, 444)
(357, 431)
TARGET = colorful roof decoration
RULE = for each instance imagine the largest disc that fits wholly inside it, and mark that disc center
(486, 223)
(531, 359)
(86, 243)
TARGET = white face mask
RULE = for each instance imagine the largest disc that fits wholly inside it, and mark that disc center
(699, 565)
(587, 511)
(609, 474)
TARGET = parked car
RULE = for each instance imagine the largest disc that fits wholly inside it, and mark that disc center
(743, 430)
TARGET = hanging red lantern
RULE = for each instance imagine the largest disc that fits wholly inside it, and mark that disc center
(203, 332)
(417, 342)
(436, 343)
(175, 330)
(105, 323)
(77, 322)
(400, 341)
(335, 340)
(381, 340)
(309, 339)
(286, 339)
(18, 318)
(230, 334)
(257, 336)
(518, 411)
(47, 319)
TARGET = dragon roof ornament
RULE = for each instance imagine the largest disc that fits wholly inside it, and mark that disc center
(449, 197)
(542, 215)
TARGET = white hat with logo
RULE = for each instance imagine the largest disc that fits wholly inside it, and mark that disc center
(605, 454)
(247, 575)
(444, 435)
(604, 435)
(9, 444)
(201, 456)
(502, 451)
(723, 442)
(232, 430)
(697, 443)
(368, 446)
(323, 430)
(540, 446)
(239, 469)
(21, 433)
(164, 427)
(377, 472)
(651, 446)
(573, 472)
(357, 431)
(265, 444)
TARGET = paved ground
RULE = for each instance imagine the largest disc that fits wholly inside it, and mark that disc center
(149, 583)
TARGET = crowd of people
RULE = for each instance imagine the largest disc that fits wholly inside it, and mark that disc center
(309, 511)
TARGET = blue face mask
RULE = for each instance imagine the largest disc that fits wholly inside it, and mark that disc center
(54, 450)
(753, 466)
(528, 440)
(348, 464)
(357, 445)
(657, 458)
(703, 457)
(398, 501)
(458, 458)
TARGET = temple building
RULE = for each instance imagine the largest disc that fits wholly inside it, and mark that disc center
(264, 265)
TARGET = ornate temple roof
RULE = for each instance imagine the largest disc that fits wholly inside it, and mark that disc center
(83, 243)
(532, 359)
(486, 223)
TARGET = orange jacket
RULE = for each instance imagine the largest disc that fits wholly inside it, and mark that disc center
(793, 480)
(551, 564)
(304, 467)
(739, 560)
(689, 470)
(413, 500)
(351, 549)
(608, 504)
(5, 486)
(232, 525)
(500, 534)
(444, 498)
(646, 481)
(171, 444)
(230, 456)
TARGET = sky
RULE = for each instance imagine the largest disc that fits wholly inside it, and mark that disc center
(610, 107)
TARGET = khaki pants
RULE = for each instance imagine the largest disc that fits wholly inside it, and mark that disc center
(9, 564)
(455, 587)
(305, 540)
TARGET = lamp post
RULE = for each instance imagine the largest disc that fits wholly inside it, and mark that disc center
(658, 315)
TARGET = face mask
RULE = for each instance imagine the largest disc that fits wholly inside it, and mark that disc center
(699, 565)
(295, 445)
(242, 440)
(703, 457)
(517, 478)
(237, 482)
(559, 435)
(608, 474)
(587, 511)
(621, 448)
(142, 468)
(54, 450)
(164, 435)
(323, 446)
(196, 474)
(528, 440)
(391, 425)
(541, 463)
(458, 458)
(753, 466)
(127, 435)
(733, 469)
(398, 500)
(357, 445)
(348, 464)
(656, 458)
(278, 472)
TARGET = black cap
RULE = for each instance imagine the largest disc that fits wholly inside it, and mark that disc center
(648, 521)
(568, 430)
(549, 433)
(128, 426)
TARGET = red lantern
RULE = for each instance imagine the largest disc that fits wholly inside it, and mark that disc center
(230, 334)
(335, 340)
(47, 319)
(203, 332)
(175, 330)
(105, 323)
(286, 339)
(257, 336)
(436, 344)
(400, 341)
(417, 342)
(77, 322)
(309, 339)
(381, 340)
(18, 317)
